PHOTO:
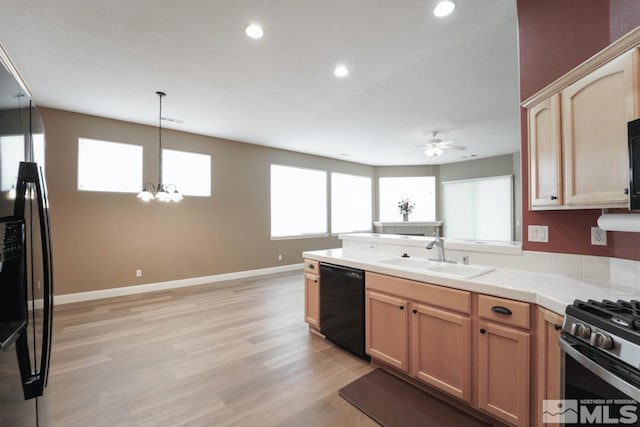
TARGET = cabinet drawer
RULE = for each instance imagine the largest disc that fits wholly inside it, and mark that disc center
(311, 266)
(440, 296)
(504, 311)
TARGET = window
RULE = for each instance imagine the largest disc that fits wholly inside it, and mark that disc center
(479, 209)
(109, 166)
(11, 154)
(420, 190)
(190, 172)
(350, 203)
(298, 202)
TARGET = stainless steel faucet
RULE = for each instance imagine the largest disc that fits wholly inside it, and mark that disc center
(439, 243)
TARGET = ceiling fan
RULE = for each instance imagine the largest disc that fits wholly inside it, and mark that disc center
(436, 146)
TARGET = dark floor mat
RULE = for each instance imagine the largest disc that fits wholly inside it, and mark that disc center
(392, 402)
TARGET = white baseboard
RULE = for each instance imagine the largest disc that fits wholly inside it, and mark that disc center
(171, 284)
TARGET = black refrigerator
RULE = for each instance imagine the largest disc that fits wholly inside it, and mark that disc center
(26, 278)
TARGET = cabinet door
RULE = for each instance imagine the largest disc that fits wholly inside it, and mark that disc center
(312, 300)
(503, 373)
(387, 324)
(548, 359)
(441, 350)
(545, 161)
(595, 112)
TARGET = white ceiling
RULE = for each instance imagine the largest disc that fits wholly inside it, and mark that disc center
(410, 71)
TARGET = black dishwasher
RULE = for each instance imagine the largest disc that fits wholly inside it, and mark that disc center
(342, 307)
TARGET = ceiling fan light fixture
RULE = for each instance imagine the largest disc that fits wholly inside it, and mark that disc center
(437, 150)
(429, 151)
(444, 8)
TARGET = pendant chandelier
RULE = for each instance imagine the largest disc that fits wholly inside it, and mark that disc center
(164, 193)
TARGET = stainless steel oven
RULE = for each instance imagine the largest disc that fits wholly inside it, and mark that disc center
(600, 343)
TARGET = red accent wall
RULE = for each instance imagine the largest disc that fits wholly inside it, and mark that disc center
(624, 17)
(555, 36)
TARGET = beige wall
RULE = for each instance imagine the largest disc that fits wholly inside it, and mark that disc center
(100, 239)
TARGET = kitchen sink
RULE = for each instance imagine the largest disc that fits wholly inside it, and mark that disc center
(461, 271)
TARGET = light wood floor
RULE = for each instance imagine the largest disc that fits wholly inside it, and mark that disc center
(226, 354)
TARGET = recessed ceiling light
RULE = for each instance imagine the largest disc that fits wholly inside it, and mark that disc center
(341, 71)
(444, 8)
(254, 31)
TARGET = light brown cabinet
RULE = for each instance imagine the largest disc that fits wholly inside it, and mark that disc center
(578, 138)
(312, 300)
(504, 346)
(503, 372)
(595, 112)
(312, 293)
(548, 360)
(387, 333)
(545, 159)
(432, 344)
(476, 348)
(441, 349)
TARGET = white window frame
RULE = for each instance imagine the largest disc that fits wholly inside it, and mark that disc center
(336, 206)
(312, 196)
(398, 217)
(135, 161)
(203, 177)
(476, 217)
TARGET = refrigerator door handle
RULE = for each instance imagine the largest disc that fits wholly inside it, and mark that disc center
(33, 383)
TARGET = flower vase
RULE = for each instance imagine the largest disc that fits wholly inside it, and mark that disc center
(405, 217)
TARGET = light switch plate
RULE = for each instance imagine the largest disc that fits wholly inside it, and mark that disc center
(598, 236)
(538, 233)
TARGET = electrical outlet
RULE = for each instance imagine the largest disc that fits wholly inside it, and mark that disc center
(138, 273)
(279, 257)
(538, 233)
(598, 236)
(38, 282)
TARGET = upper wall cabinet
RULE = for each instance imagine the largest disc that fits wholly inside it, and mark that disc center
(578, 132)
(595, 112)
(545, 165)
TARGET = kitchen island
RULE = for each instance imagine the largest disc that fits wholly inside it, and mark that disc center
(482, 334)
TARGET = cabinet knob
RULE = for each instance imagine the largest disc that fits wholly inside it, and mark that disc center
(483, 330)
(554, 198)
(557, 327)
(402, 307)
(415, 311)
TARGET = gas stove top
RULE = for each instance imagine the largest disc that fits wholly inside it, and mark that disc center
(609, 326)
(619, 318)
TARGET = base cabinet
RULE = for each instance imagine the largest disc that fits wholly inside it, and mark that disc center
(387, 332)
(430, 343)
(476, 348)
(441, 350)
(503, 372)
(312, 300)
(548, 361)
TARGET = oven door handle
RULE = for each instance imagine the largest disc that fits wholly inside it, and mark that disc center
(601, 372)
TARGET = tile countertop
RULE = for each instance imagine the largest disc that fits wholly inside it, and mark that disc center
(553, 292)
